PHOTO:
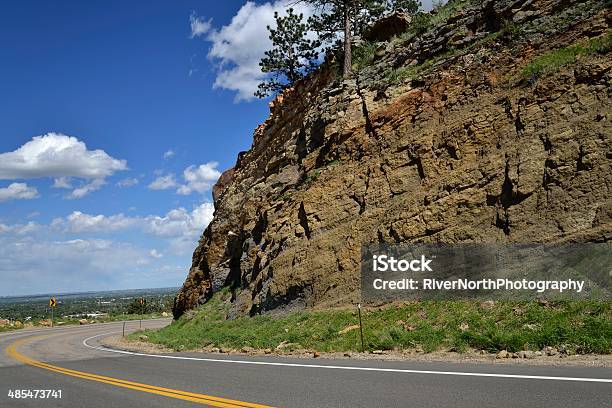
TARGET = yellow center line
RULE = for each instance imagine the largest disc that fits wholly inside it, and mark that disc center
(11, 350)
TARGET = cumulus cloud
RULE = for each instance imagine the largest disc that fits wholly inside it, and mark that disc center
(181, 226)
(180, 222)
(237, 47)
(53, 257)
(68, 265)
(128, 182)
(19, 229)
(163, 182)
(57, 155)
(195, 179)
(18, 191)
(78, 222)
(199, 178)
(60, 157)
(169, 154)
(62, 182)
(85, 189)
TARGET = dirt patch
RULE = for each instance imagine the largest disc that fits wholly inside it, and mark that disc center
(120, 343)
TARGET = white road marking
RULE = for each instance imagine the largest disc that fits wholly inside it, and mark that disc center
(390, 370)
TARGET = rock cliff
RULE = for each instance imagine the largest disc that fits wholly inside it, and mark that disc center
(444, 134)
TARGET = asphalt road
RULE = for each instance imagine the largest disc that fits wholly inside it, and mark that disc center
(70, 359)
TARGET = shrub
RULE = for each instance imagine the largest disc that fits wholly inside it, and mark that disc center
(421, 22)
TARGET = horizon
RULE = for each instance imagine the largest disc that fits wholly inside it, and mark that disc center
(85, 292)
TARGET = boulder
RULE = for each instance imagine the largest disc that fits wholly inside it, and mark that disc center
(388, 27)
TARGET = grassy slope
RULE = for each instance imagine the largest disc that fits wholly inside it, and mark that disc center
(583, 327)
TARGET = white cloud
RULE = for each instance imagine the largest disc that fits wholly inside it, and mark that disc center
(60, 157)
(51, 258)
(18, 191)
(199, 26)
(196, 179)
(57, 155)
(155, 254)
(163, 182)
(169, 154)
(128, 182)
(181, 226)
(200, 178)
(180, 222)
(62, 182)
(237, 48)
(19, 229)
(85, 189)
(78, 222)
(50, 265)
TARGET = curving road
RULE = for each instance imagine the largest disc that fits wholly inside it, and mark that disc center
(70, 359)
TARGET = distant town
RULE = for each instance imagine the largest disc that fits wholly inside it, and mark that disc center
(85, 307)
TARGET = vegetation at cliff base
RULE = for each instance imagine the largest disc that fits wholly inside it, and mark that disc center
(579, 327)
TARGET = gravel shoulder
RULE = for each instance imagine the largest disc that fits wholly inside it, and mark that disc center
(471, 356)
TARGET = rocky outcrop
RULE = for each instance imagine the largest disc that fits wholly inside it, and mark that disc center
(440, 139)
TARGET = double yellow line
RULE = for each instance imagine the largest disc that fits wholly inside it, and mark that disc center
(11, 350)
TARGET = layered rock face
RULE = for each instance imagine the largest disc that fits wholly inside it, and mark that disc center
(440, 139)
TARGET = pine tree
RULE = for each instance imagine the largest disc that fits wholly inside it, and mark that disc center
(335, 22)
(350, 18)
(292, 57)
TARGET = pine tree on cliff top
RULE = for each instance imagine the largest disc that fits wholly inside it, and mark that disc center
(338, 21)
(292, 57)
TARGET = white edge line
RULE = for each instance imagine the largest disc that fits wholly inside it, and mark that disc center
(391, 370)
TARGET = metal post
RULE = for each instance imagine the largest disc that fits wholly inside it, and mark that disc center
(52, 316)
(123, 329)
(360, 327)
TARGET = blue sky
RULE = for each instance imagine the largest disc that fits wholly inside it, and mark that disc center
(115, 120)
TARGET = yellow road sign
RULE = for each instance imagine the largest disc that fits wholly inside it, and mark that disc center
(142, 301)
(52, 302)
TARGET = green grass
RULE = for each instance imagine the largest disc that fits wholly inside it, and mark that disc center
(423, 22)
(556, 59)
(8, 328)
(312, 176)
(399, 75)
(583, 327)
(448, 10)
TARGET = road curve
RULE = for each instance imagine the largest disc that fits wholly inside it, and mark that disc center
(70, 359)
